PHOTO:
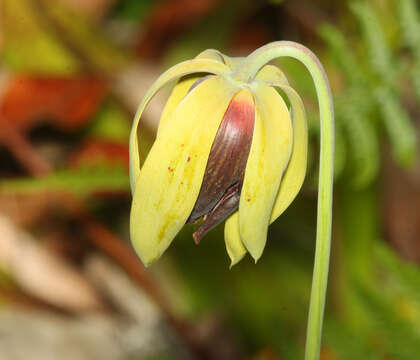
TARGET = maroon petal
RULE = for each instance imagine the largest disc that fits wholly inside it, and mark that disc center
(224, 174)
(225, 207)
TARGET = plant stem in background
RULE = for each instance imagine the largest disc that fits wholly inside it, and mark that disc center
(246, 72)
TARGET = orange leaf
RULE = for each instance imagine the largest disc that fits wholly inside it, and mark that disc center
(69, 102)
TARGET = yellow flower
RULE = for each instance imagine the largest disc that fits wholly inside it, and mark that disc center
(224, 149)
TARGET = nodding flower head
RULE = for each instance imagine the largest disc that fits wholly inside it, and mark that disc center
(227, 148)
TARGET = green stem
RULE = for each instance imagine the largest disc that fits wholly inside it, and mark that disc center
(246, 71)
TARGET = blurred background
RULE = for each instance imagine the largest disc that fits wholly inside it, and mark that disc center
(72, 73)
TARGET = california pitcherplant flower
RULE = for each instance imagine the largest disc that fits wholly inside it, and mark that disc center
(225, 149)
(229, 148)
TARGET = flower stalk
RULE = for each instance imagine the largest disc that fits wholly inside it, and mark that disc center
(245, 72)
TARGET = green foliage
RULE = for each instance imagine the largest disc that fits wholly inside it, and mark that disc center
(90, 41)
(410, 26)
(80, 182)
(132, 10)
(395, 334)
(371, 98)
(246, 294)
(403, 275)
(362, 139)
(398, 124)
(380, 55)
(347, 344)
(379, 299)
(353, 111)
(34, 39)
(111, 124)
(396, 119)
(29, 46)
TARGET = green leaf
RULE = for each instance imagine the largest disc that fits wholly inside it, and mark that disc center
(380, 54)
(29, 45)
(342, 54)
(79, 182)
(398, 124)
(362, 139)
(111, 124)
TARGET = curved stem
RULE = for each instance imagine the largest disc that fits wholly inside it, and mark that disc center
(246, 71)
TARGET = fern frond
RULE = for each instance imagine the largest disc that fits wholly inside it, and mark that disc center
(407, 275)
(362, 138)
(398, 125)
(340, 51)
(380, 54)
(410, 24)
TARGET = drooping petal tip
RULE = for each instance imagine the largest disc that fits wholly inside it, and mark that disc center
(234, 246)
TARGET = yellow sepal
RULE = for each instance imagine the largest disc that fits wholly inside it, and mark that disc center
(271, 74)
(174, 73)
(231, 62)
(234, 246)
(184, 84)
(268, 73)
(170, 179)
(295, 173)
(268, 158)
(178, 93)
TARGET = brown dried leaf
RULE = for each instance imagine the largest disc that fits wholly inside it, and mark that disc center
(68, 101)
(24, 210)
(41, 274)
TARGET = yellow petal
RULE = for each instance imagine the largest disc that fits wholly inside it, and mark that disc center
(234, 246)
(231, 62)
(268, 158)
(178, 93)
(296, 170)
(170, 179)
(184, 84)
(182, 87)
(174, 73)
(272, 74)
(212, 54)
(295, 173)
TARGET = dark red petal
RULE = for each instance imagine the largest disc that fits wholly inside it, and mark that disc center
(225, 207)
(226, 164)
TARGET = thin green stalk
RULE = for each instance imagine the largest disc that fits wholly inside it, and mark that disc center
(246, 71)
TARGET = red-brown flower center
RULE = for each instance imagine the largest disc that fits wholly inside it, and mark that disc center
(220, 190)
